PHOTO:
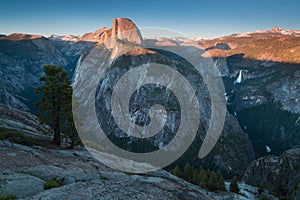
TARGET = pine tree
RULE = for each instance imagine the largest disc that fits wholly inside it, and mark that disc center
(55, 99)
(68, 126)
(234, 185)
(212, 181)
(220, 181)
(187, 172)
(195, 177)
(177, 172)
(203, 178)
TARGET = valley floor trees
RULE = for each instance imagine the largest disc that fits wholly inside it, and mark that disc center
(209, 180)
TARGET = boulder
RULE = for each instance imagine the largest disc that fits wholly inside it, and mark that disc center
(19, 184)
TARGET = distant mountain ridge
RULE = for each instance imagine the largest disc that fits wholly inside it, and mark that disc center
(96, 35)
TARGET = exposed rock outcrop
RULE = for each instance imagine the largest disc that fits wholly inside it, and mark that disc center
(24, 122)
(82, 177)
(24, 171)
(122, 28)
(125, 29)
(23, 184)
(234, 151)
(278, 173)
(22, 58)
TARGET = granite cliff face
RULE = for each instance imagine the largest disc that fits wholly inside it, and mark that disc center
(278, 173)
(22, 58)
(123, 54)
(25, 122)
(122, 28)
(261, 75)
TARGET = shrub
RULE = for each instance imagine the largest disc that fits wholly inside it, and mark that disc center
(16, 136)
(177, 172)
(187, 172)
(212, 181)
(234, 185)
(8, 197)
(51, 184)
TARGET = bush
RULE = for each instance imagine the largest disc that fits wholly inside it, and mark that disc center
(8, 197)
(203, 178)
(51, 184)
(234, 185)
(220, 181)
(16, 136)
(212, 182)
(209, 180)
(187, 172)
(177, 171)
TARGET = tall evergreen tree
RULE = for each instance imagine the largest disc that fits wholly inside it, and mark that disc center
(195, 177)
(234, 185)
(212, 181)
(54, 105)
(220, 181)
(203, 178)
(187, 172)
(68, 127)
(177, 172)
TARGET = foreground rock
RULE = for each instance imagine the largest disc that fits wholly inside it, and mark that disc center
(24, 171)
(22, 184)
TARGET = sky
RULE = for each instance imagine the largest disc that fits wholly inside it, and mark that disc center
(207, 18)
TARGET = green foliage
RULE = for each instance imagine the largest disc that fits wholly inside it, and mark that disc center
(208, 180)
(8, 197)
(51, 184)
(234, 185)
(212, 181)
(203, 178)
(55, 105)
(272, 125)
(195, 177)
(220, 181)
(17, 137)
(68, 127)
(187, 172)
(56, 92)
(177, 171)
(280, 189)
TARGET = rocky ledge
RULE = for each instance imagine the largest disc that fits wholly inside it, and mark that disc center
(25, 170)
(280, 174)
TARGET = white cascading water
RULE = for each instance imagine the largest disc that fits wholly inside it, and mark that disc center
(76, 69)
(239, 78)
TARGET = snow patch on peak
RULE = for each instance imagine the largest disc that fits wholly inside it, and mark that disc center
(275, 31)
(199, 39)
(70, 38)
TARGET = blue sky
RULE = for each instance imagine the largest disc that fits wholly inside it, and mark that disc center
(203, 18)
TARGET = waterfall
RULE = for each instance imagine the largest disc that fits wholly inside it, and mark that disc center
(239, 78)
(76, 69)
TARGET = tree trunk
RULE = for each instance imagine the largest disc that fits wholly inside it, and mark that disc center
(56, 128)
(56, 138)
